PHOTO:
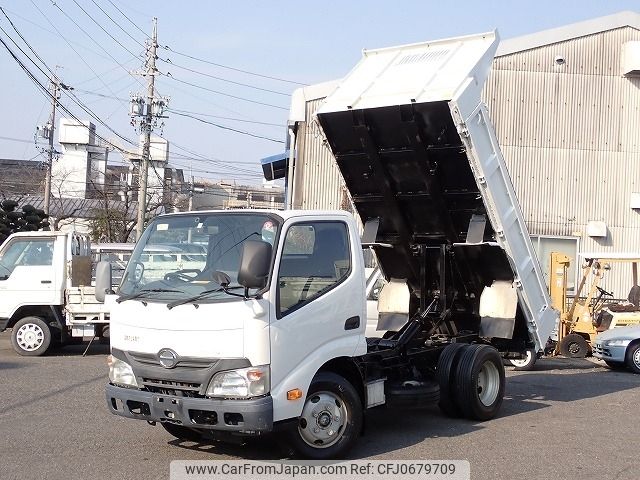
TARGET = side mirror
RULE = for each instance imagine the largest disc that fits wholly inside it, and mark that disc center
(255, 263)
(103, 280)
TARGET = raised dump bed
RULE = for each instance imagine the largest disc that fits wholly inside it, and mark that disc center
(419, 155)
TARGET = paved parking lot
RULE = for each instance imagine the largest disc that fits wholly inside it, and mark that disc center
(566, 419)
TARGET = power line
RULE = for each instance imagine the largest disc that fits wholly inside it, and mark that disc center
(130, 21)
(83, 31)
(49, 95)
(169, 75)
(224, 127)
(168, 61)
(117, 24)
(70, 46)
(255, 122)
(56, 34)
(166, 47)
(100, 26)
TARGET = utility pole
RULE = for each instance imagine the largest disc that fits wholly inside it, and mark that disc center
(54, 86)
(147, 126)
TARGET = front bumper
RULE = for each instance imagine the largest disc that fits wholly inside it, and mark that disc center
(3, 324)
(250, 417)
(609, 353)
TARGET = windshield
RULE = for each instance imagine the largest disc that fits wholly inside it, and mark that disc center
(183, 255)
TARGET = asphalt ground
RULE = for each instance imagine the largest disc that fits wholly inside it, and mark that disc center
(567, 419)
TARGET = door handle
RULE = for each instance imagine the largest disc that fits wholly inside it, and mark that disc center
(45, 281)
(352, 323)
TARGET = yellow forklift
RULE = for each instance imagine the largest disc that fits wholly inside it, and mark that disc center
(585, 318)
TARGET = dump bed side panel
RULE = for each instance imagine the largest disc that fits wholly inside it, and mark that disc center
(494, 183)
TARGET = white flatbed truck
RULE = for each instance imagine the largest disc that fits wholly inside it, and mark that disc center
(268, 331)
(46, 295)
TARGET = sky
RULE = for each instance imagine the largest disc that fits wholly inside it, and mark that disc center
(255, 54)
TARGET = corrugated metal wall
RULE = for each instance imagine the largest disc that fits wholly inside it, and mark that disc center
(318, 183)
(570, 135)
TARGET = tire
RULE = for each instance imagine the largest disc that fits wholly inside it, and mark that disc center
(105, 335)
(632, 358)
(527, 363)
(331, 399)
(615, 365)
(445, 372)
(573, 346)
(181, 432)
(479, 382)
(31, 337)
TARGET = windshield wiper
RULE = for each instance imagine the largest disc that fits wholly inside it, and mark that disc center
(201, 295)
(140, 293)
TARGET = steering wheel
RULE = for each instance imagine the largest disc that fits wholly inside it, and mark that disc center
(182, 275)
(604, 292)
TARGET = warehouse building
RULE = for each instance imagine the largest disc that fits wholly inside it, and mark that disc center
(566, 106)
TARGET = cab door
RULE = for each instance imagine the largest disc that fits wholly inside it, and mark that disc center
(27, 273)
(319, 308)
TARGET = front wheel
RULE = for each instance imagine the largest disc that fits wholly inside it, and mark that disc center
(31, 337)
(526, 363)
(573, 346)
(633, 358)
(331, 419)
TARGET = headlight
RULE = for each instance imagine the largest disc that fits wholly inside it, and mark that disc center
(618, 342)
(121, 373)
(242, 383)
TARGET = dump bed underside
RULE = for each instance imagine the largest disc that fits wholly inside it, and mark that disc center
(407, 166)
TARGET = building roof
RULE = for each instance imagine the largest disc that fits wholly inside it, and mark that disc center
(24, 177)
(568, 32)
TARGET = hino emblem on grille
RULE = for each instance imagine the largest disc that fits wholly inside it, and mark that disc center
(168, 358)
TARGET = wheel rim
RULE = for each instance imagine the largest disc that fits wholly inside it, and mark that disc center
(488, 384)
(30, 337)
(574, 347)
(636, 358)
(522, 362)
(323, 420)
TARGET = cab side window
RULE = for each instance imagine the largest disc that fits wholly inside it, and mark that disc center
(315, 258)
(33, 252)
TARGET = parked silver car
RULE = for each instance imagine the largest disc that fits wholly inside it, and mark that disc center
(619, 348)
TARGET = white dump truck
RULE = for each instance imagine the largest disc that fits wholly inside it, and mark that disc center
(46, 295)
(266, 330)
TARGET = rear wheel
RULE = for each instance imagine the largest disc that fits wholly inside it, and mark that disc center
(479, 382)
(574, 346)
(445, 372)
(331, 419)
(31, 337)
(526, 363)
(633, 358)
(182, 433)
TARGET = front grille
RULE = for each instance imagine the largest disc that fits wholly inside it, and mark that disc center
(600, 350)
(168, 387)
(186, 362)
